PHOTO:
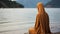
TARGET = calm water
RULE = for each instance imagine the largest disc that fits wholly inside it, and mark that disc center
(18, 21)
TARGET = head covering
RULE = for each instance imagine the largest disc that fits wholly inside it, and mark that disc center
(40, 7)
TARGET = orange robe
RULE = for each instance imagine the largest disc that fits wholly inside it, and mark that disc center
(42, 24)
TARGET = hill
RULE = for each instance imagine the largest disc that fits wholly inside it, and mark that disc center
(10, 4)
(53, 4)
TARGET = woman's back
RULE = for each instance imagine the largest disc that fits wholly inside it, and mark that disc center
(42, 21)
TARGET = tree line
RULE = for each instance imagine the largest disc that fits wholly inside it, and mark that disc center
(10, 4)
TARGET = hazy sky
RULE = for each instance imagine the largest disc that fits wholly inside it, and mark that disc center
(13, 0)
(31, 3)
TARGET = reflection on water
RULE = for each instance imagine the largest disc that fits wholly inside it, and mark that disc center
(13, 21)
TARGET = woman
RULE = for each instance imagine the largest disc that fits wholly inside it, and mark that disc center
(42, 22)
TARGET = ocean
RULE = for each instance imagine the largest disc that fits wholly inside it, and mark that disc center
(19, 20)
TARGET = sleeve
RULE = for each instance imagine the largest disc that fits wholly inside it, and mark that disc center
(36, 23)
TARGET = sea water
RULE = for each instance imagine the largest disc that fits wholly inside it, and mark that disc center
(19, 20)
